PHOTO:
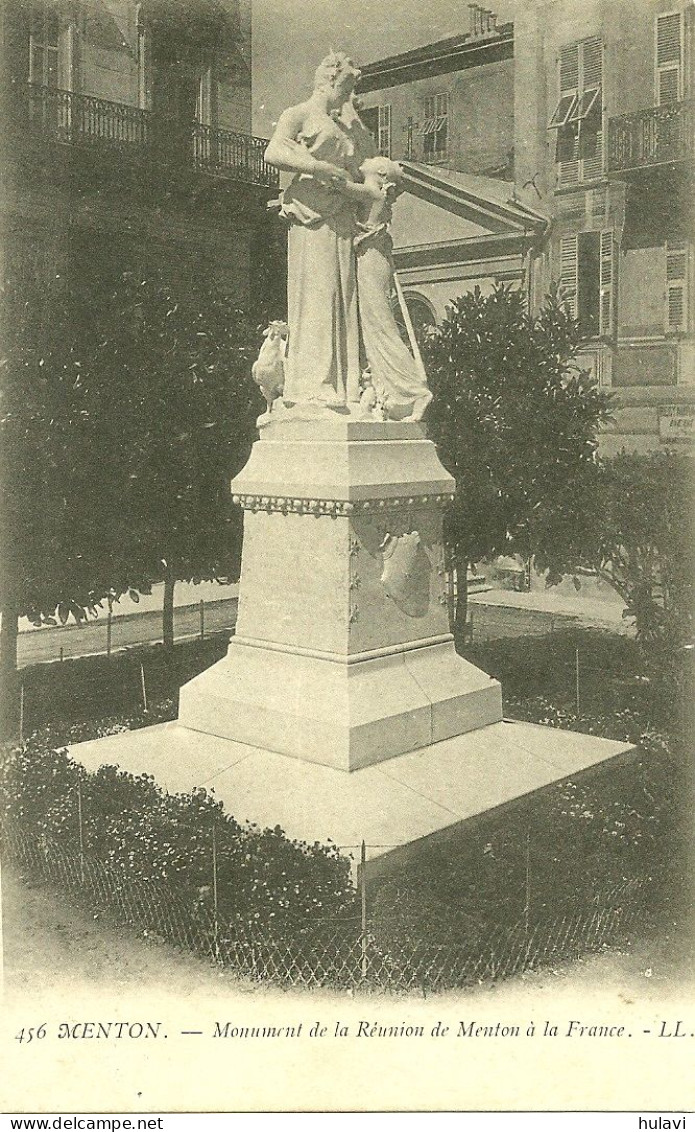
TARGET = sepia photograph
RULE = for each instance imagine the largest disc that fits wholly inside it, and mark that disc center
(347, 556)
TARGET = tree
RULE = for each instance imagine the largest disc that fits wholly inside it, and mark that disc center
(515, 422)
(123, 418)
(169, 387)
(644, 547)
(52, 515)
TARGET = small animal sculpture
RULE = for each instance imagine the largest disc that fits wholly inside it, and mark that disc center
(369, 402)
(268, 371)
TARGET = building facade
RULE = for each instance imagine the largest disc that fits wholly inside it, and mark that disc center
(127, 142)
(429, 105)
(594, 101)
(605, 144)
(458, 226)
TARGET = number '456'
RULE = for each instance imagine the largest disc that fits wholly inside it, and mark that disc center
(28, 1033)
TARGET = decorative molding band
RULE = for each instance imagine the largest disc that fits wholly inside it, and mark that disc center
(342, 658)
(336, 508)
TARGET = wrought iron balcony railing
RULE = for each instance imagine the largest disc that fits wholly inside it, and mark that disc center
(84, 120)
(217, 151)
(657, 136)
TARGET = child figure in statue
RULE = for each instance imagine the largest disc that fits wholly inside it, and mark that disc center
(398, 377)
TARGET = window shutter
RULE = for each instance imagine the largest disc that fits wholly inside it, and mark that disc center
(669, 85)
(669, 58)
(591, 129)
(676, 287)
(592, 63)
(569, 68)
(568, 141)
(569, 262)
(606, 283)
(668, 39)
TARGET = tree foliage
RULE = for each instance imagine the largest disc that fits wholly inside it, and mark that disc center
(644, 546)
(123, 418)
(174, 409)
(515, 422)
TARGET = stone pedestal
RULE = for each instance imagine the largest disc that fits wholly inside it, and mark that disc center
(342, 654)
(343, 662)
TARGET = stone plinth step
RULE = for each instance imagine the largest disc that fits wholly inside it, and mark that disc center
(396, 807)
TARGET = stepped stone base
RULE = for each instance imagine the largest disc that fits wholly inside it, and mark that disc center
(343, 715)
(397, 807)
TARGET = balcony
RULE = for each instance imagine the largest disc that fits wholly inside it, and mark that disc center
(658, 136)
(82, 120)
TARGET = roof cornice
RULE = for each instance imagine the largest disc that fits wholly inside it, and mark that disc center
(453, 54)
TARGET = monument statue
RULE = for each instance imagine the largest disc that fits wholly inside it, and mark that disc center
(340, 265)
(311, 141)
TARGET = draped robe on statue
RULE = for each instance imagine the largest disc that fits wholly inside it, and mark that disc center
(323, 360)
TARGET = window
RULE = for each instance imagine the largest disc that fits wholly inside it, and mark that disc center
(43, 47)
(586, 280)
(669, 59)
(578, 116)
(676, 287)
(409, 138)
(436, 127)
(370, 118)
(383, 140)
(377, 119)
(421, 314)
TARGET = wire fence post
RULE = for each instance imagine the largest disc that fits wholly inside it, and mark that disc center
(80, 825)
(576, 679)
(108, 630)
(21, 713)
(202, 619)
(363, 893)
(143, 686)
(62, 654)
(215, 909)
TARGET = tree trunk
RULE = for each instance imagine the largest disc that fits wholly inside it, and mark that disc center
(168, 609)
(461, 563)
(9, 690)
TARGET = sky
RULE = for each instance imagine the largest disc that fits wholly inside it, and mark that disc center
(290, 37)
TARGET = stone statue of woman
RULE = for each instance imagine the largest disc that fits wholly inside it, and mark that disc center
(321, 143)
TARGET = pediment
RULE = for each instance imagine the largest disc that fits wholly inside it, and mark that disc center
(443, 205)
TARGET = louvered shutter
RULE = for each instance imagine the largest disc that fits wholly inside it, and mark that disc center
(567, 141)
(592, 63)
(569, 264)
(591, 129)
(676, 287)
(669, 58)
(669, 85)
(606, 283)
(569, 68)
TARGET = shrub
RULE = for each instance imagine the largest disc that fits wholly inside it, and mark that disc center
(131, 824)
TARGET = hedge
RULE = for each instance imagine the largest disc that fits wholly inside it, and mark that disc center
(132, 824)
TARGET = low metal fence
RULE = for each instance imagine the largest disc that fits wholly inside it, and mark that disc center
(358, 953)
